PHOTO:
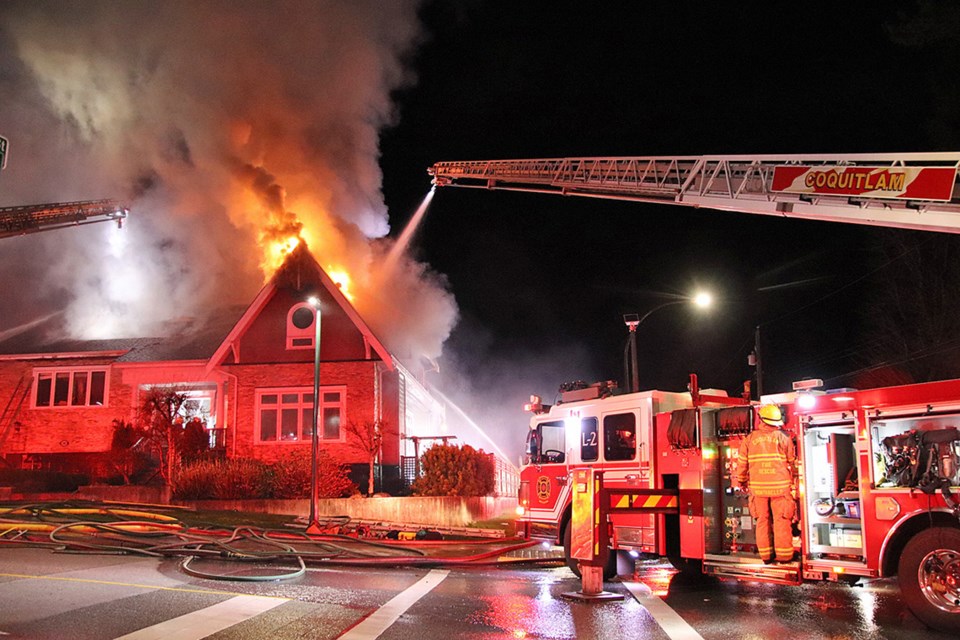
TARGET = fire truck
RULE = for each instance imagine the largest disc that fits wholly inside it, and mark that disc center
(877, 468)
(878, 473)
(33, 218)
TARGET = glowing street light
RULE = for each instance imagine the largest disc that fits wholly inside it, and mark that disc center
(701, 299)
(313, 526)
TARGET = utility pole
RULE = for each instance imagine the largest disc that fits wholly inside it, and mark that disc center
(757, 361)
(631, 368)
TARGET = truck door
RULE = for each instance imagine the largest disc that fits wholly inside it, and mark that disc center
(832, 501)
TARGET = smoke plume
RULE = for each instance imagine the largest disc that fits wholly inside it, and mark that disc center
(228, 126)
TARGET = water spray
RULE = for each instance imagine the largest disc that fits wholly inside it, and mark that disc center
(403, 241)
(464, 415)
(26, 326)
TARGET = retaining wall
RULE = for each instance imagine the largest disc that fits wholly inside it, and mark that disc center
(427, 511)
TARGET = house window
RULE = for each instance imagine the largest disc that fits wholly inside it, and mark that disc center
(301, 327)
(81, 387)
(286, 415)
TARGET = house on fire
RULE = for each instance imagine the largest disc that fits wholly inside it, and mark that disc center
(251, 371)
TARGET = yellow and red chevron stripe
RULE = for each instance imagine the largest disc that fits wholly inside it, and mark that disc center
(655, 501)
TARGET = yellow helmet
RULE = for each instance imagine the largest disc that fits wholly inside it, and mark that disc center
(771, 414)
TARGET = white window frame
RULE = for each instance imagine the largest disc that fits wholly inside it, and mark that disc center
(306, 336)
(53, 372)
(302, 403)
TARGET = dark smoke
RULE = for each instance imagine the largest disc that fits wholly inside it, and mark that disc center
(222, 123)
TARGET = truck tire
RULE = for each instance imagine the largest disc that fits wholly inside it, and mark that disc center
(686, 566)
(609, 569)
(929, 577)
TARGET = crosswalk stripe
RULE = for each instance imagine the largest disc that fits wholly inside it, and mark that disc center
(668, 619)
(378, 622)
(207, 621)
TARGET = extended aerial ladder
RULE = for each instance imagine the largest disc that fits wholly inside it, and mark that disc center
(901, 190)
(21, 220)
(16, 221)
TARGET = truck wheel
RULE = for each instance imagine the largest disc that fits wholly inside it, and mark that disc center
(609, 569)
(929, 577)
(686, 566)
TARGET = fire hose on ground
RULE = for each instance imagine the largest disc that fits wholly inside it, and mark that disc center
(155, 531)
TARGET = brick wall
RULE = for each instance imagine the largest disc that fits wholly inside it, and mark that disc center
(59, 429)
(358, 377)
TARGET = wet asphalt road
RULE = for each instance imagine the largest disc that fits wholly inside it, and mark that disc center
(47, 595)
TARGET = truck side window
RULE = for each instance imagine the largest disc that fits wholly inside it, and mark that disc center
(620, 436)
(533, 446)
(589, 440)
(552, 443)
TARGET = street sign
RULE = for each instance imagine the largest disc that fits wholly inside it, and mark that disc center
(4, 145)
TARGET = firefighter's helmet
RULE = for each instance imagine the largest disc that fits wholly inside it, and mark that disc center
(771, 414)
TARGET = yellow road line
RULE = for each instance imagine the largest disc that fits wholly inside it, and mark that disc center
(127, 584)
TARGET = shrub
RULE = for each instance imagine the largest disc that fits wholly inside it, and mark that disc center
(449, 470)
(196, 481)
(222, 479)
(126, 460)
(291, 476)
(241, 478)
(193, 443)
(333, 477)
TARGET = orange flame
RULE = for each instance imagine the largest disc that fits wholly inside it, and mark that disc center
(342, 279)
(275, 252)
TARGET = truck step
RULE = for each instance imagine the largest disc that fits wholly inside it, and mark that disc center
(752, 569)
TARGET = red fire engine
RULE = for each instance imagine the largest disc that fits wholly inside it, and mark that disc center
(878, 467)
(876, 471)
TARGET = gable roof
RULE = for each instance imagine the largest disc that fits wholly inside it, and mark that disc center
(190, 339)
(299, 266)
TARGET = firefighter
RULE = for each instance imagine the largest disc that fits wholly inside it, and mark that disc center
(767, 469)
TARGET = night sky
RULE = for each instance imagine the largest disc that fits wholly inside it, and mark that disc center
(542, 281)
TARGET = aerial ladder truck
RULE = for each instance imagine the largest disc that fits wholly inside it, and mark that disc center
(904, 190)
(21, 220)
(654, 472)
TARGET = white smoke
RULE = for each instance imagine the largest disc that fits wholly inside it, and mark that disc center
(222, 123)
(491, 386)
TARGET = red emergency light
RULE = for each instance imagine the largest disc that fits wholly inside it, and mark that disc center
(808, 384)
(535, 405)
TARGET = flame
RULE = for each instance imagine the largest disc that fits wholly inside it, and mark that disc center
(342, 279)
(275, 252)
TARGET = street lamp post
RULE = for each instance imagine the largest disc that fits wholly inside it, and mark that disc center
(702, 300)
(314, 526)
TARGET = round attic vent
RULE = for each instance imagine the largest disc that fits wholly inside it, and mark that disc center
(302, 317)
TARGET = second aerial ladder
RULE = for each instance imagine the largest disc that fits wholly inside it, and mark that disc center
(900, 190)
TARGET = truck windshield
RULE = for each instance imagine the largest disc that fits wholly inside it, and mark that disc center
(546, 444)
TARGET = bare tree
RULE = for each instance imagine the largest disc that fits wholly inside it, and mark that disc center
(162, 413)
(367, 438)
(910, 330)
